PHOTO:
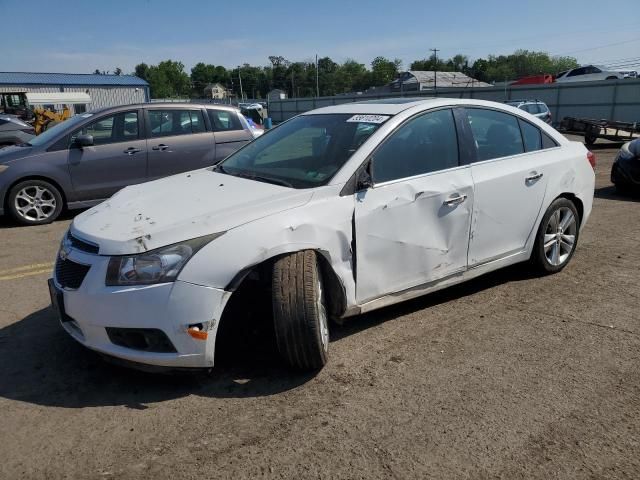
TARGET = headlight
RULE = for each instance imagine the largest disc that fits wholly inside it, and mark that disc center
(156, 266)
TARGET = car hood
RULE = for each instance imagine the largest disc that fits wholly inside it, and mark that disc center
(185, 206)
(13, 152)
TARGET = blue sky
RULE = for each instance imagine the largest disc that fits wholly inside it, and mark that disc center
(80, 36)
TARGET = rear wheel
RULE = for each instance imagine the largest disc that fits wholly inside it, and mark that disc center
(34, 202)
(300, 311)
(557, 237)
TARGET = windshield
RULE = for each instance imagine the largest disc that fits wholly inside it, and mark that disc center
(51, 133)
(304, 152)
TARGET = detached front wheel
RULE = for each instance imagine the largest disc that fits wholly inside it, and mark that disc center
(300, 311)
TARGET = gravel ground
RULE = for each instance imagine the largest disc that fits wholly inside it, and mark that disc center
(508, 376)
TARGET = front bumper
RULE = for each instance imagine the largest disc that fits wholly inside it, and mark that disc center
(93, 308)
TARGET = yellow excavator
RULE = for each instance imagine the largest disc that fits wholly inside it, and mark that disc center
(46, 118)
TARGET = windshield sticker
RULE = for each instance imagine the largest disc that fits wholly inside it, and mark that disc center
(369, 118)
(87, 115)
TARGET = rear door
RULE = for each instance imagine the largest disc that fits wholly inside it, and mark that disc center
(177, 141)
(510, 177)
(117, 158)
(412, 226)
(229, 132)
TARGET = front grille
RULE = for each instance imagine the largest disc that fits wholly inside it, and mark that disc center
(145, 339)
(78, 244)
(70, 274)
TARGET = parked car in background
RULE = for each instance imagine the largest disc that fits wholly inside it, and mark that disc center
(335, 212)
(84, 160)
(588, 73)
(629, 74)
(256, 130)
(534, 107)
(625, 172)
(14, 131)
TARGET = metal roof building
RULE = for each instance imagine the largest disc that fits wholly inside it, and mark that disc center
(417, 80)
(103, 90)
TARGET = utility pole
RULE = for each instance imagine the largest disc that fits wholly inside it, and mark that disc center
(293, 89)
(240, 78)
(435, 70)
(317, 84)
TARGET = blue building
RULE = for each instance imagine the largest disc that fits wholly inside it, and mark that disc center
(80, 92)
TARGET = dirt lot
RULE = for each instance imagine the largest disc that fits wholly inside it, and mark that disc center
(509, 376)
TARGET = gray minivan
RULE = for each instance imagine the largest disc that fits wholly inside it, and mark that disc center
(86, 159)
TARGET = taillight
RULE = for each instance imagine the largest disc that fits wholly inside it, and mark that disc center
(592, 159)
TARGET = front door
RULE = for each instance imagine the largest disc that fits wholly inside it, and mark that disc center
(412, 226)
(117, 158)
(510, 177)
(178, 141)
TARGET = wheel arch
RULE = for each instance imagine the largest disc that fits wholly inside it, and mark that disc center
(576, 201)
(337, 296)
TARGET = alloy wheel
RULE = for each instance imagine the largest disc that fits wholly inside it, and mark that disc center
(560, 236)
(35, 203)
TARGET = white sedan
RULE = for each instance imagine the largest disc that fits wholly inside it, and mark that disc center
(336, 212)
(588, 73)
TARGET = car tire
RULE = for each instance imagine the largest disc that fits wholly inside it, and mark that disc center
(300, 311)
(611, 78)
(557, 237)
(34, 202)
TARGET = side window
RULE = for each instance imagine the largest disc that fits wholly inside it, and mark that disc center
(121, 127)
(543, 108)
(577, 71)
(531, 136)
(175, 122)
(427, 143)
(224, 120)
(197, 121)
(496, 134)
(548, 142)
(130, 126)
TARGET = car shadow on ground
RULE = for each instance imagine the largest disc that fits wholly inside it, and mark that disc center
(41, 364)
(6, 221)
(610, 193)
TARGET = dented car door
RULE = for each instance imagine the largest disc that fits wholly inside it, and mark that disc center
(412, 226)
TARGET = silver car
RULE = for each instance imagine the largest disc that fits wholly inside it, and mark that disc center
(534, 107)
(80, 162)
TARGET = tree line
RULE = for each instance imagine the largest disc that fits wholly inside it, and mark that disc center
(168, 79)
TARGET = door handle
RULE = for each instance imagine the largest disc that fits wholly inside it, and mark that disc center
(161, 147)
(132, 150)
(533, 176)
(455, 199)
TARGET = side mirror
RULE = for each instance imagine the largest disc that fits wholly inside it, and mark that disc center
(365, 179)
(84, 140)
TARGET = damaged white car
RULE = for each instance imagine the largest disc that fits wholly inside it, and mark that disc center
(338, 211)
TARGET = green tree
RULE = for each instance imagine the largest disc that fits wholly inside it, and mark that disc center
(384, 70)
(166, 80)
(142, 71)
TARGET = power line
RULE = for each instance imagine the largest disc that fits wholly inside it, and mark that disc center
(601, 46)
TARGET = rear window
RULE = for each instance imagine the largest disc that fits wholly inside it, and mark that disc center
(224, 120)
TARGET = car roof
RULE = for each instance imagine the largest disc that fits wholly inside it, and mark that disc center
(164, 105)
(395, 106)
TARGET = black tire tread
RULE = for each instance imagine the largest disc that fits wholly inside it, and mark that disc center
(295, 313)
